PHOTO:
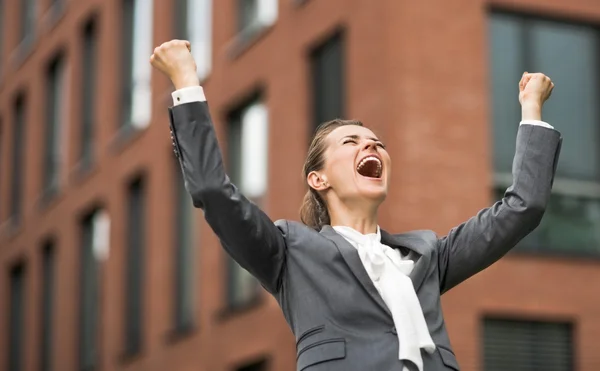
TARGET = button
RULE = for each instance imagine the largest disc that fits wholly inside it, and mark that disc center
(394, 331)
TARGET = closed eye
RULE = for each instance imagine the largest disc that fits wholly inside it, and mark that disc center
(380, 145)
(349, 141)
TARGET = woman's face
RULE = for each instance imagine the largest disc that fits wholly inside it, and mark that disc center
(357, 166)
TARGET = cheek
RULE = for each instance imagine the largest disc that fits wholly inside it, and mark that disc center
(339, 169)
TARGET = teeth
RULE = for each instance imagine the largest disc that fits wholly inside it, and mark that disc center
(367, 159)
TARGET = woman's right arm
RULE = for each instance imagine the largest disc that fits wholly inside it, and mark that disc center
(245, 231)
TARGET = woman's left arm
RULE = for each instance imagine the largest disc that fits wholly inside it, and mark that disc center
(486, 237)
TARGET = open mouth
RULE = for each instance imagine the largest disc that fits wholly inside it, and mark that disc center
(370, 167)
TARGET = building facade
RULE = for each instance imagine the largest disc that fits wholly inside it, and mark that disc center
(104, 263)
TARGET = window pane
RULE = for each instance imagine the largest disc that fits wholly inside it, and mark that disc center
(185, 254)
(254, 366)
(247, 164)
(48, 270)
(88, 296)
(16, 325)
(28, 10)
(254, 15)
(54, 117)
(200, 31)
(137, 41)
(558, 50)
(248, 11)
(142, 47)
(254, 149)
(18, 160)
(135, 268)
(86, 149)
(181, 19)
(527, 346)
(507, 68)
(328, 80)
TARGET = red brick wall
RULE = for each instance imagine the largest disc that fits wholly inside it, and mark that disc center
(417, 72)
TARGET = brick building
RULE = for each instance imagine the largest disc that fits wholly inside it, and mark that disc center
(105, 266)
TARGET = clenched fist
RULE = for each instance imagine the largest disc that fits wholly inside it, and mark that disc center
(174, 59)
(534, 90)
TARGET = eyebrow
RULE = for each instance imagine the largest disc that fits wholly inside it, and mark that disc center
(356, 137)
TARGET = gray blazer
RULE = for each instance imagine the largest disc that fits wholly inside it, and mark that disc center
(337, 316)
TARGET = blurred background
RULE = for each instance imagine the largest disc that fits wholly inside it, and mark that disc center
(106, 265)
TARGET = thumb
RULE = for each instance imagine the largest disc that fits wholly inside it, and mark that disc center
(188, 45)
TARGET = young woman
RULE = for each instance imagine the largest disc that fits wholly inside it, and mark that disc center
(355, 296)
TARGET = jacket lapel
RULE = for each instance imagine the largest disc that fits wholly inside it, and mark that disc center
(353, 261)
(408, 243)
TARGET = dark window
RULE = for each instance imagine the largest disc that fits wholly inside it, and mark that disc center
(134, 274)
(127, 60)
(18, 159)
(48, 293)
(89, 297)
(254, 366)
(136, 43)
(90, 54)
(247, 164)
(247, 14)
(518, 44)
(185, 257)
(527, 346)
(327, 63)
(16, 324)
(54, 117)
(28, 10)
(181, 20)
(255, 15)
(2, 25)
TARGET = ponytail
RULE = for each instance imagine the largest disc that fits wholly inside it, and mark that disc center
(313, 211)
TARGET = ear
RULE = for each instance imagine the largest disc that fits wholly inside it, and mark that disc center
(317, 181)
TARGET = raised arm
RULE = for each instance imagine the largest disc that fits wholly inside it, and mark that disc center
(485, 238)
(244, 230)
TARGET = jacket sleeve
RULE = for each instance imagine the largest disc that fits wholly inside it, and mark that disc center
(488, 236)
(245, 231)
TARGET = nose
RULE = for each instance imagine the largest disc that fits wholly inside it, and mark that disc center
(370, 144)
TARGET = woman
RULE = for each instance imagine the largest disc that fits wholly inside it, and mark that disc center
(356, 297)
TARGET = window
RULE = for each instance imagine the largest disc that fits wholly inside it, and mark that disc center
(48, 279)
(185, 255)
(255, 15)
(527, 346)
(18, 160)
(89, 75)
(193, 22)
(54, 120)
(95, 234)
(247, 155)
(136, 41)
(2, 24)
(327, 63)
(16, 321)
(254, 366)
(27, 20)
(518, 44)
(134, 274)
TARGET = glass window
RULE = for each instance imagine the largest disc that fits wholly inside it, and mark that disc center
(185, 254)
(54, 122)
(254, 15)
(48, 294)
(327, 62)
(89, 75)
(134, 274)
(247, 160)
(16, 324)
(193, 22)
(18, 158)
(527, 346)
(137, 29)
(518, 44)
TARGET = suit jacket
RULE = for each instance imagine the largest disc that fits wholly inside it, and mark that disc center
(336, 314)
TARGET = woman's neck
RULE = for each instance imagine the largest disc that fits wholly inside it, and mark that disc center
(363, 219)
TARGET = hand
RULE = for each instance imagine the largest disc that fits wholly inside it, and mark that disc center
(534, 90)
(174, 59)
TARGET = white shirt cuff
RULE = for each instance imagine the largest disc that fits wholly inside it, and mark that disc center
(537, 123)
(187, 95)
